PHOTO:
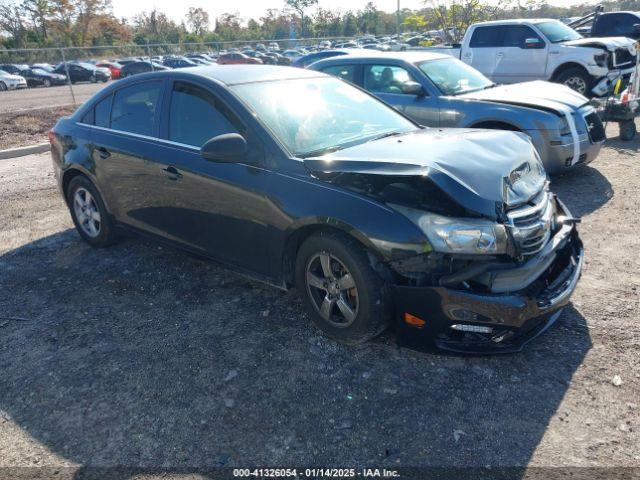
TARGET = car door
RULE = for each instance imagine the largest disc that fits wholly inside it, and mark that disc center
(481, 53)
(522, 55)
(212, 207)
(124, 151)
(387, 82)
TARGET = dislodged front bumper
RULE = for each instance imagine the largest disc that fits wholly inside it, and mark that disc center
(507, 321)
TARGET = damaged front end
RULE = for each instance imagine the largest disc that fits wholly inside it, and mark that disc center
(490, 273)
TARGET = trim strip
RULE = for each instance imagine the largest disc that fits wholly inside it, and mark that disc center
(142, 137)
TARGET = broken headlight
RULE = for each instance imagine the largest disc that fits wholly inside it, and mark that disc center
(458, 235)
(601, 59)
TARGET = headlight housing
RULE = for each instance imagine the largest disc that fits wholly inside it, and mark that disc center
(458, 235)
(563, 126)
(601, 59)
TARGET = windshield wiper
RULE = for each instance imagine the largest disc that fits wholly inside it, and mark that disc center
(321, 151)
(384, 135)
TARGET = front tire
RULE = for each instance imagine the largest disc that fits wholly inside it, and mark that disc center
(341, 291)
(3, 87)
(576, 79)
(89, 215)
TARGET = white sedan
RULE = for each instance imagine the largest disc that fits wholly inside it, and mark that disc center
(11, 82)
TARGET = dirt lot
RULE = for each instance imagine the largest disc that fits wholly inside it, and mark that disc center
(144, 357)
(20, 129)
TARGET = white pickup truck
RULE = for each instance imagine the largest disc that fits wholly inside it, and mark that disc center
(510, 51)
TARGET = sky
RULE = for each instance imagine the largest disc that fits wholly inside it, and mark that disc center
(256, 8)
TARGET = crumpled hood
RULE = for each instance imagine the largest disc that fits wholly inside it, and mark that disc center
(610, 43)
(470, 165)
(536, 94)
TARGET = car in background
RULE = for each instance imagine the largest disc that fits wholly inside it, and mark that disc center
(613, 24)
(308, 59)
(274, 47)
(36, 77)
(83, 72)
(13, 68)
(47, 67)
(238, 58)
(136, 68)
(305, 181)
(437, 90)
(114, 68)
(126, 61)
(9, 81)
(178, 62)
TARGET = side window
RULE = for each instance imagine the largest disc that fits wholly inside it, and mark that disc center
(624, 26)
(605, 24)
(485, 37)
(88, 118)
(102, 112)
(345, 72)
(385, 78)
(135, 107)
(195, 116)
(515, 35)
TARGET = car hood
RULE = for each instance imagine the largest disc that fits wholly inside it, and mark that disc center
(537, 94)
(482, 170)
(610, 43)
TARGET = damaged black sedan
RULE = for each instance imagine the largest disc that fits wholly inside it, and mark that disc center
(301, 180)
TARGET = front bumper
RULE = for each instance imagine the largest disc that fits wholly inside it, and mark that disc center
(515, 318)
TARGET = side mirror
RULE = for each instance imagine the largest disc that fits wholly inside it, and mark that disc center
(413, 88)
(532, 42)
(228, 148)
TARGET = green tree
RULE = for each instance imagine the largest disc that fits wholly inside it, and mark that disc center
(198, 21)
(300, 6)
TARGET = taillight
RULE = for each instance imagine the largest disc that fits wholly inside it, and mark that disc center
(52, 136)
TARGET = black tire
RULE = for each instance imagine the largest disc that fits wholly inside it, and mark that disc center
(106, 234)
(93, 79)
(627, 130)
(373, 311)
(577, 79)
(3, 87)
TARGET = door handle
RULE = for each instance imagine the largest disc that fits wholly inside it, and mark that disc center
(172, 173)
(103, 153)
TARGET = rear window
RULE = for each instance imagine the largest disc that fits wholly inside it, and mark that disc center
(134, 108)
(345, 72)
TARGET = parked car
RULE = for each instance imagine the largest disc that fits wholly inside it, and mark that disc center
(36, 77)
(441, 91)
(113, 67)
(83, 72)
(452, 234)
(178, 62)
(308, 59)
(126, 61)
(13, 68)
(511, 51)
(614, 24)
(136, 68)
(47, 67)
(9, 81)
(237, 59)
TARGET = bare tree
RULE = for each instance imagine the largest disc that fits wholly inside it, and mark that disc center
(198, 20)
(454, 16)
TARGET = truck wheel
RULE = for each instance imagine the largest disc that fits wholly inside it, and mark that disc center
(576, 79)
(341, 291)
(627, 130)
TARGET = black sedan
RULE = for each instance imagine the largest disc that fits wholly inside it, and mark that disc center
(36, 77)
(83, 72)
(136, 68)
(302, 180)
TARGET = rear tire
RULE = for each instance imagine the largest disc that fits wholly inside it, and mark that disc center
(576, 79)
(341, 291)
(89, 214)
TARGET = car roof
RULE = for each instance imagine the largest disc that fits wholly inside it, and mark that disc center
(237, 74)
(368, 55)
(516, 21)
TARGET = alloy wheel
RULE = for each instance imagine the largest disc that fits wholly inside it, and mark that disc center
(332, 290)
(87, 212)
(47, 83)
(576, 83)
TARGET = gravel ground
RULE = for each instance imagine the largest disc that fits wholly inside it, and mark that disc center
(32, 98)
(144, 357)
(21, 129)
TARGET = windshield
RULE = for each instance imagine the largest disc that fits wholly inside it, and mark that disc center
(39, 71)
(453, 77)
(557, 32)
(317, 115)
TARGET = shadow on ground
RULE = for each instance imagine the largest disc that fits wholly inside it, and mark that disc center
(142, 357)
(571, 188)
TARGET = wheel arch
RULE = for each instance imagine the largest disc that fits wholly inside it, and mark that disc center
(77, 171)
(496, 125)
(296, 236)
(566, 66)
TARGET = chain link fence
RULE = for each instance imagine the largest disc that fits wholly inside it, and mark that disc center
(74, 93)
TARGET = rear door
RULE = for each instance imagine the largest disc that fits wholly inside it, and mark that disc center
(481, 53)
(125, 152)
(522, 55)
